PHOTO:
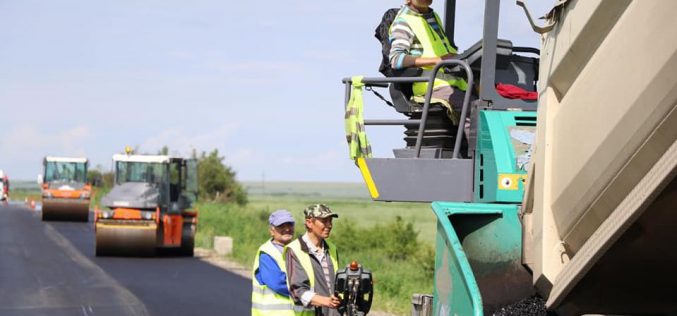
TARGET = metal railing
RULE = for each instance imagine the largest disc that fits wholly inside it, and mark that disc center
(385, 82)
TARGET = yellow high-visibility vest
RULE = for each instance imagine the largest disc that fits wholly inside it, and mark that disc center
(433, 46)
(265, 301)
(306, 264)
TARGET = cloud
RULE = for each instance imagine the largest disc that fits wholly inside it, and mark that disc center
(330, 55)
(181, 54)
(29, 139)
(257, 67)
(251, 163)
(23, 147)
(181, 142)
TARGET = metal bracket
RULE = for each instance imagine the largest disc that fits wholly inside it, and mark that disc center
(536, 28)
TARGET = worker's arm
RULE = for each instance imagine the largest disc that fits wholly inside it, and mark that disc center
(271, 275)
(401, 41)
(299, 285)
(431, 61)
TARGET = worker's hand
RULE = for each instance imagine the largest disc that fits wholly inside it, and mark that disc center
(324, 301)
(449, 56)
(334, 302)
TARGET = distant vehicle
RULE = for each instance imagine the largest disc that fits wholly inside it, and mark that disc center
(149, 207)
(65, 191)
(4, 186)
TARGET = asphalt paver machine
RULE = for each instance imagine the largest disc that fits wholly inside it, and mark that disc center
(501, 239)
(148, 210)
(65, 191)
(479, 176)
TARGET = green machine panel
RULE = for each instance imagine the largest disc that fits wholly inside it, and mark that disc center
(478, 258)
(504, 141)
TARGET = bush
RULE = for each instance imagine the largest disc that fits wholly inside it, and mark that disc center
(397, 240)
(217, 181)
(99, 178)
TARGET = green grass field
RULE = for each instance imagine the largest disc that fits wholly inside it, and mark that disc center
(349, 200)
(364, 213)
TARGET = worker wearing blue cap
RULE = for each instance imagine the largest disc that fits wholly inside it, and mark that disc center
(270, 294)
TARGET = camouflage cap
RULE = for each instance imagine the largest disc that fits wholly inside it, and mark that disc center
(318, 211)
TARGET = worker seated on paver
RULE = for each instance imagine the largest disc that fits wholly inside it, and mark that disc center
(418, 40)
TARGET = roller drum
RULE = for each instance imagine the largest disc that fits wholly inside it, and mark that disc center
(126, 238)
(187, 240)
(56, 209)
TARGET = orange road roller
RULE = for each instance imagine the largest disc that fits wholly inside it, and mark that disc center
(148, 210)
(65, 191)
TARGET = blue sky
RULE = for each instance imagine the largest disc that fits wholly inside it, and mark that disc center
(258, 80)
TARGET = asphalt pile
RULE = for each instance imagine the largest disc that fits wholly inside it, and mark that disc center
(532, 306)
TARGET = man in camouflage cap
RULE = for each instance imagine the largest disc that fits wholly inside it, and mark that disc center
(312, 262)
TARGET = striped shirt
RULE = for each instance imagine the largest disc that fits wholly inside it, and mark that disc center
(405, 46)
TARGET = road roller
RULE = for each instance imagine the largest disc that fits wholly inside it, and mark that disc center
(148, 210)
(65, 191)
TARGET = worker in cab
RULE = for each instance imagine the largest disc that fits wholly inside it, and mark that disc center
(270, 294)
(418, 40)
(312, 262)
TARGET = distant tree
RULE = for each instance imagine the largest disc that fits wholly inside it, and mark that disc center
(217, 181)
(94, 177)
(164, 151)
(99, 178)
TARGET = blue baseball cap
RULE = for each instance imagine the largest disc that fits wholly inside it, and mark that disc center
(280, 217)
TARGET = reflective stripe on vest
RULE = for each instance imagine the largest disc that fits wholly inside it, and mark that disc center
(306, 264)
(264, 300)
(433, 46)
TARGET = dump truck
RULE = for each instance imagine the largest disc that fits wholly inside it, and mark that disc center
(65, 191)
(148, 210)
(567, 201)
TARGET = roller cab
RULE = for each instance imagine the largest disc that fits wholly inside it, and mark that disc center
(65, 191)
(149, 208)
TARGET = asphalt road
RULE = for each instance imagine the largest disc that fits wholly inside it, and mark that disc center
(49, 268)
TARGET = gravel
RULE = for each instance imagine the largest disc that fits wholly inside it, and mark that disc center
(533, 306)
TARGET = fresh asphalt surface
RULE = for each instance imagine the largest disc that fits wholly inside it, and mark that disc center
(49, 268)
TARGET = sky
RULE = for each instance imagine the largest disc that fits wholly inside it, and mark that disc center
(260, 81)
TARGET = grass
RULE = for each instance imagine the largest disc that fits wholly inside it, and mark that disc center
(394, 240)
(24, 194)
(349, 200)
(363, 213)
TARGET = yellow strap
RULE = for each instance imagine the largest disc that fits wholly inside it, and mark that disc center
(354, 122)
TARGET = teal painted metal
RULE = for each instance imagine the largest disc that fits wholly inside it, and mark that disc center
(498, 175)
(478, 258)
